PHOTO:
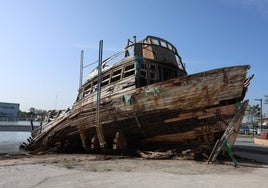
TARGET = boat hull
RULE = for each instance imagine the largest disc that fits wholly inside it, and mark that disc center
(179, 113)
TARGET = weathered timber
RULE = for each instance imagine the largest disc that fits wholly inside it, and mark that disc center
(156, 155)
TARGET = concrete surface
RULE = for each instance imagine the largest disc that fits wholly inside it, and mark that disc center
(245, 147)
(84, 170)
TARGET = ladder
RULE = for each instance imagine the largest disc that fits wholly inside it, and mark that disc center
(226, 141)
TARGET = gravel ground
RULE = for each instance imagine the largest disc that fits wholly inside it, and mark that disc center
(82, 170)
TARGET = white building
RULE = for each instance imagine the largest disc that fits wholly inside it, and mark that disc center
(9, 109)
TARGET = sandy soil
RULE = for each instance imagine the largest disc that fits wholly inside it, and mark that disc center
(82, 170)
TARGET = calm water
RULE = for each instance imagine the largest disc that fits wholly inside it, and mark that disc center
(19, 123)
(10, 141)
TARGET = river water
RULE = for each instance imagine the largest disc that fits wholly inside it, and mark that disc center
(11, 141)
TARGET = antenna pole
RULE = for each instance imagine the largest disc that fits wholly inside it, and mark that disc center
(56, 102)
(98, 122)
(81, 68)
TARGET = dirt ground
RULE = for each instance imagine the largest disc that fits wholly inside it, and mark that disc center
(84, 170)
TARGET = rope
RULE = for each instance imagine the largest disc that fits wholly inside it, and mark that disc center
(90, 64)
(109, 58)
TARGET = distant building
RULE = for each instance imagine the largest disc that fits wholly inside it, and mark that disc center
(9, 109)
(265, 120)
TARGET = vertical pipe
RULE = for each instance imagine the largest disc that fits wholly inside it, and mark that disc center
(81, 68)
(261, 114)
(56, 102)
(134, 39)
(32, 127)
(99, 75)
(80, 126)
(98, 123)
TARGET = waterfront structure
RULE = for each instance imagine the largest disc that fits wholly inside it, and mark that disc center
(9, 109)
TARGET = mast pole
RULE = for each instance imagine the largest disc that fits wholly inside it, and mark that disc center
(81, 68)
(98, 123)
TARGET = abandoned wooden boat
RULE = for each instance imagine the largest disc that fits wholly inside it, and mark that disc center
(147, 101)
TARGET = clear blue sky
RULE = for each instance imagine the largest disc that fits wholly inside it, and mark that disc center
(41, 40)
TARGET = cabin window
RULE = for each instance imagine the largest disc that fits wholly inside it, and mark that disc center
(143, 73)
(87, 87)
(152, 68)
(129, 67)
(166, 74)
(143, 70)
(104, 83)
(87, 90)
(163, 43)
(95, 83)
(129, 70)
(105, 80)
(180, 65)
(155, 41)
(143, 66)
(169, 46)
(116, 75)
(106, 77)
(94, 88)
(86, 93)
(152, 75)
(117, 72)
(145, 43)
(129, 73)
(176, 74)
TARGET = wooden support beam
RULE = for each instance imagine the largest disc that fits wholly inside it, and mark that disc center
(229, 132)
(99, 129)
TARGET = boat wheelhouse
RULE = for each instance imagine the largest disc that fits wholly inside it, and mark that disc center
(153, 60)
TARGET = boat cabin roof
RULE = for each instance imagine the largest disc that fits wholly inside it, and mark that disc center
(154, 48)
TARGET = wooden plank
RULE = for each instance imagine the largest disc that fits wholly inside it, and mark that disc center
(206, 113)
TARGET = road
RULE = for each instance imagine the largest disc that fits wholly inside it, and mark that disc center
(245, 147)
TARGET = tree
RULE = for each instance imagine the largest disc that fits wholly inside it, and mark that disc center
(252, 114)
(22, 114)
(266, 99)
(32, 109)
(34, 113)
